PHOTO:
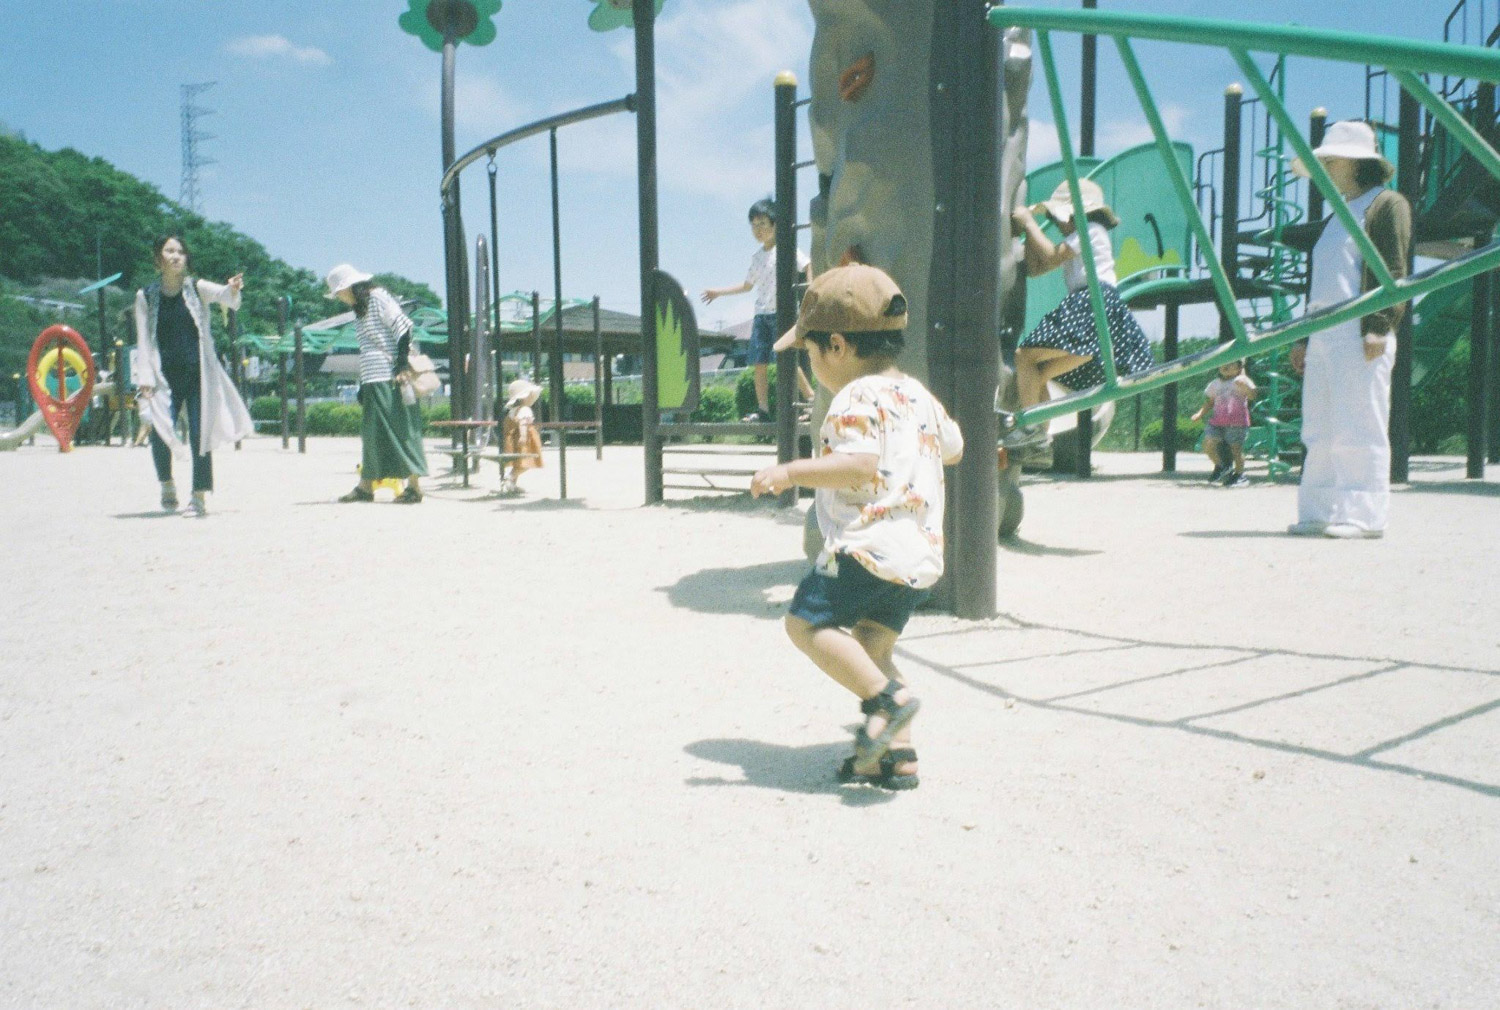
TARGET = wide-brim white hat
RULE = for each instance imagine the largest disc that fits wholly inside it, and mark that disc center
(1349, 138)
(1060, 204)
(344, 276)
(521, 390)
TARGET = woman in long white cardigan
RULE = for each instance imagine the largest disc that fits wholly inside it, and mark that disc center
(175, 367)
(1346, 394)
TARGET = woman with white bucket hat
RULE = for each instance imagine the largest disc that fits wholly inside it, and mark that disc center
(1346, 391)
(390, 427)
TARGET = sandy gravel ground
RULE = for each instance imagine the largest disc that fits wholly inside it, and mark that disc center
(527, 753)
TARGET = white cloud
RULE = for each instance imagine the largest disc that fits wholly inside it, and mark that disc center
(1042, 147)
(269, 47)
(715, 65)
(1114, 136)
(482, 107)
(1121, 134)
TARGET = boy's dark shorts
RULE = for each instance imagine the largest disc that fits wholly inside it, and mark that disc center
(763, 339)
(854, 595)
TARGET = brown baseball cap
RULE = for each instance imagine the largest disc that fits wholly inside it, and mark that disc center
(849, 299)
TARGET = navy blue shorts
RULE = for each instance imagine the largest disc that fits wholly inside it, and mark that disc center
(854, 595)
(762, 339)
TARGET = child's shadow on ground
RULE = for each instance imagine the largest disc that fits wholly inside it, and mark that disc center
(790, 769)
(737, 590)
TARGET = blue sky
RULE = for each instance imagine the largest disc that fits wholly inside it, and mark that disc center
(326, 129)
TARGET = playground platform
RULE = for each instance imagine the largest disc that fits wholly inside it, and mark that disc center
(495, 752)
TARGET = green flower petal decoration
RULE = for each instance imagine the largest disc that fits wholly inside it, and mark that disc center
(611, 14)
(416, 21)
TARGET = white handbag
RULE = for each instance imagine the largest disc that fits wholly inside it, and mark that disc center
(422, 374)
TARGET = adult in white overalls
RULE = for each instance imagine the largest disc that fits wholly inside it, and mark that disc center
(1346, 394)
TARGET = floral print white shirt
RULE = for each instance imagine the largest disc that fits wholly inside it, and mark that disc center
(894, 524)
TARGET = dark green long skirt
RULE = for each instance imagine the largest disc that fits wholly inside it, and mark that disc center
(391, 432)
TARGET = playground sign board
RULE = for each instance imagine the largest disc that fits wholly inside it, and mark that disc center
(56, 351)
(677, 364)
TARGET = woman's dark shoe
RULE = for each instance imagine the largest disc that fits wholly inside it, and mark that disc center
(411, 496)
(358, 494)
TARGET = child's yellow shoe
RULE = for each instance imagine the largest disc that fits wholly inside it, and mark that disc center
(395, 485)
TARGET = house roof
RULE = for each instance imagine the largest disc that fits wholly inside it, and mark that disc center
(620, 331)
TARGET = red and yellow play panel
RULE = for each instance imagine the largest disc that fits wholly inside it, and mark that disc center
(61, 358)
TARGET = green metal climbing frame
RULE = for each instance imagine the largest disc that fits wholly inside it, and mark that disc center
(1403, 59)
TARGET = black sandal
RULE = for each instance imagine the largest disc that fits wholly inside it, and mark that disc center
(897, 716)
(358, 494)
(887, 778)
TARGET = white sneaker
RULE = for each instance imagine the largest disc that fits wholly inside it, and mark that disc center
(197, 507)
(1307, 528)
(1348, 531)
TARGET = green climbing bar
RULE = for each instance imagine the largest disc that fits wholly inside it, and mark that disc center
(1405, 59)
(1070, 169)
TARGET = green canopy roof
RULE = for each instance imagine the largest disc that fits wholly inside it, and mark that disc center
(339, 334)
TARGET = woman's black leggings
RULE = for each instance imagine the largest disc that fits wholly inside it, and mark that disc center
(186, 391)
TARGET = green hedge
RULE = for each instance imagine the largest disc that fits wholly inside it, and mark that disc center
(579, 396)
(327, 417)
(439, 411)
(744, 390)
(1188, 433)
(717, 405)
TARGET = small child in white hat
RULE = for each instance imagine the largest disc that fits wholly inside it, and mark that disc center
(520, 435)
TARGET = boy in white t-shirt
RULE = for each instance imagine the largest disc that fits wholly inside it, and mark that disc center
(879, 506)
(1226, 402)
(762, 279)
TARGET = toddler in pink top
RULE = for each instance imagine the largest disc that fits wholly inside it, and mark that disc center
(1226, 402)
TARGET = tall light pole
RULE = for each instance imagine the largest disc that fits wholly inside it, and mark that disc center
(442, 25)
(641, 15)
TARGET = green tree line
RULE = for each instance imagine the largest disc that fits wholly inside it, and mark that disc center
(61, 212)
